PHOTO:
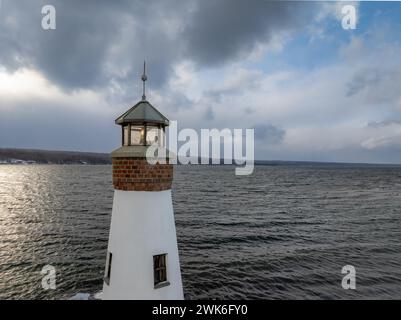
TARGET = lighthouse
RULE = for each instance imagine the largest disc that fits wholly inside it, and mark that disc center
(142, 256)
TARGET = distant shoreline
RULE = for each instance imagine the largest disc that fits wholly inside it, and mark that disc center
(33, 156)
(11, 156)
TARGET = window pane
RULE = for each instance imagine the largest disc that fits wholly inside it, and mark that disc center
(161, 137)
(126, 136)
(159, 268)
(163, 275)
(157, 261)
(152, 135)
(162, 261)
(137, 135)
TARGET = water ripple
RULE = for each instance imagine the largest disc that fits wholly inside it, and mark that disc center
(282, 233)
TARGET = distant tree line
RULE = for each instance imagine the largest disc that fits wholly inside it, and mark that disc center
(54, 157)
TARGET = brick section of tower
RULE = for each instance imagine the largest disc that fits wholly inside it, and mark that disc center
(136, 174)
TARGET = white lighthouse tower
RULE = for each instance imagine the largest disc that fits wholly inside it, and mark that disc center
(142, 256)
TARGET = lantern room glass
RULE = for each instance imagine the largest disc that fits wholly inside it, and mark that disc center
(140, 135)
(137, 135)
(125, 135)
(154, 135)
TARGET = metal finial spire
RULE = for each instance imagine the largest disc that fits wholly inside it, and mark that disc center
(144, 78)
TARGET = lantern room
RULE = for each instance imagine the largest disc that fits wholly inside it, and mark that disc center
(143, 124)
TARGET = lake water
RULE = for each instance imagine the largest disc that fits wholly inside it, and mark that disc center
(284, 232)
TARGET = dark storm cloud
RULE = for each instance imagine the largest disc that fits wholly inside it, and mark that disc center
(99, 42)
(226, 29)
(92, 42)
(269, 134)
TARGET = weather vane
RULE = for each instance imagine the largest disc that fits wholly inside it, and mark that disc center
(144, 78)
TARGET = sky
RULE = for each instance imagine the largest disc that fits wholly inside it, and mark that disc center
(312, 90)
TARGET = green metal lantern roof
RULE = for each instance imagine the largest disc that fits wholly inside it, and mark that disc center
(142, 112)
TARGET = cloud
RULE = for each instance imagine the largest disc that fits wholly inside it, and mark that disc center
(238, 81)
(229, 29)
(219, 64)
(95, 42)
(269, 134)
(363, 79)
(37, 114)
(321, 120)
(379, 83)
(383, 135)
(209, 114)
(102, 43)
(383, 124)
(382, 142)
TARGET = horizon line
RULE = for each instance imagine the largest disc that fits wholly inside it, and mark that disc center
(221, 159)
